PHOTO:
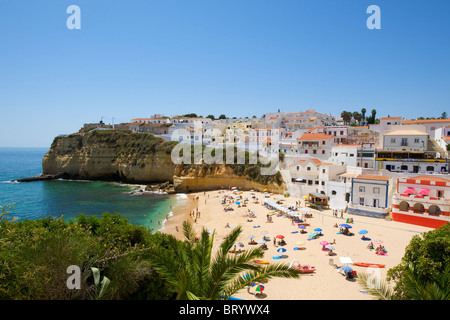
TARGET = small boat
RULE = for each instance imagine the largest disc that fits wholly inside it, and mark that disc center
(306, 269)
(365, 264)
(261, 261)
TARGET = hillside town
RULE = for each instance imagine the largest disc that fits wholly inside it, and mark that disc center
(388, 167)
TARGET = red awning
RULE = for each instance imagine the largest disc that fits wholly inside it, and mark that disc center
(424, 192)
(409, 190)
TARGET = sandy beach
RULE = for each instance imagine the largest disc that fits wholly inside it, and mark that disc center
(327, 282)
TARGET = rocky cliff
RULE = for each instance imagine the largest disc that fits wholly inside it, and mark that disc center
(142, 158)
(110, 155)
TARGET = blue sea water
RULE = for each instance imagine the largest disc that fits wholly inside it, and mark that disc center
(67, 198)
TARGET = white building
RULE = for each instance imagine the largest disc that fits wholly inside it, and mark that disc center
(371, 196)
(311, 175)
(405, 138)
(316, 145)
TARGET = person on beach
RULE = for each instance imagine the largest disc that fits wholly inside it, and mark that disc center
(176, 227)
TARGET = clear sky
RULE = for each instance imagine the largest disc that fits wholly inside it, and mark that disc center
(237, 57)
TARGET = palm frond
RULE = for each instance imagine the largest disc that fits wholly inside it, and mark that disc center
(381, 290)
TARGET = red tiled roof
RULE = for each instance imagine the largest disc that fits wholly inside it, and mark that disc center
(315, 136)
(361, 176)
(425, 121)
(430, 178)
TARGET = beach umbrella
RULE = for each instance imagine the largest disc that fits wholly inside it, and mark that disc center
(345, 225)
(329, 247)
(324, 243)
(346, 268)
(301, 227)
(281, 250)
(363, 231)
(317, 229)
(237, 202)
(251, 237)
(280, 236)
(258, 287)
(261, 241)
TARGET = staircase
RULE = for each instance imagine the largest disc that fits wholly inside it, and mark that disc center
(435, 147)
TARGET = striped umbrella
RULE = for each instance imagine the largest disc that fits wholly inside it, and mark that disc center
(258, 287)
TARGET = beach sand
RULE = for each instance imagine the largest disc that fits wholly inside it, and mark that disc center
(326, 283)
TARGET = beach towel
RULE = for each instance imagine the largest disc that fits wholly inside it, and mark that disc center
(294, 232)
(381, 254)
(256, 226)
(368, 239)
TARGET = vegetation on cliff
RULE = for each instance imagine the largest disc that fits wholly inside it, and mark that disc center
(253, 171)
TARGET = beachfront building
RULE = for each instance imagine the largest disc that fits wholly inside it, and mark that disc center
(317, 145)
(312, 175)
(371, 196)
(422, 200)
(405, 138)
(408, 149)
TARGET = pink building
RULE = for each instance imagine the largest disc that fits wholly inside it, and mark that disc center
(422, 200)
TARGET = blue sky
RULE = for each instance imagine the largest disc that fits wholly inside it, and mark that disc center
(237, 57)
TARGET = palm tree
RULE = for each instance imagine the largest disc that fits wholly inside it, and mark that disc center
(374, 112)
(195, 273)
(346, 116)
(414, 286)
(363, 115)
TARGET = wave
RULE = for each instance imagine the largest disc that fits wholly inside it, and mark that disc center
(181, 196)
(10, 181)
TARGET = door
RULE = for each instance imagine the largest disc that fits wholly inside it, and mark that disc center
(376, 202)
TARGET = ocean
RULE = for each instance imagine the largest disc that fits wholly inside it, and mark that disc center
(67, 198)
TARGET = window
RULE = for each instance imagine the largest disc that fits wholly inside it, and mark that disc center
(308, 168)
(317, 182)
(352, 155)
(440, 193)
(392, 140)
(376, 190)
(323, 141)
(404, 142)
(314, 151)
(323, 151)
(323, 183)
(306, 151)
(323, 170)
(416, 140)
(361, 201)
(362, 189)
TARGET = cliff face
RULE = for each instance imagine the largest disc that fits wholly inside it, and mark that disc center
(217, 177)
(138, 158)
(103, 157)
